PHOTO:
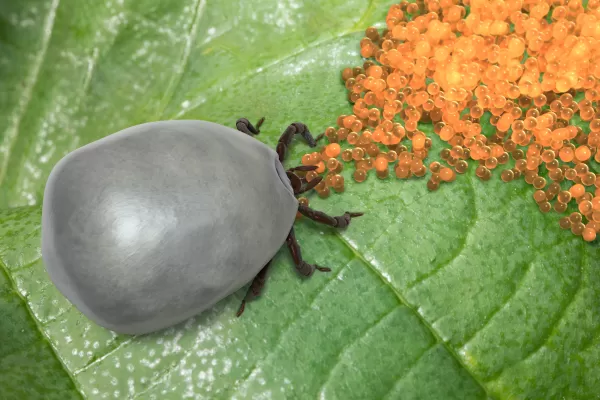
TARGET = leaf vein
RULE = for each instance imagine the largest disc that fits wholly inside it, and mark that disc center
(99, 359)
(261, 69)
(287, 327)
(352, 343)
(11, 134)
(503, 304)
(23, 267)
(410, 368)
(594, 339)
(185, 57)
(463, 244)
(401, 298)
(552, 327)
(368, 11)
(460, 249)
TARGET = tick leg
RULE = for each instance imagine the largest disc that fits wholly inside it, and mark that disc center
(303, 186)
(243, 125)
(302, 266)
(304, 168)
(295, 181)
(310, 185)
(337, 222)
(256, 287)
(286, 138)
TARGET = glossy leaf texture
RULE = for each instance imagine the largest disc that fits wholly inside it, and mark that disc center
(465, 293)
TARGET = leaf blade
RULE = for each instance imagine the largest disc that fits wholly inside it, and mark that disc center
(469, 259)
(29, 366)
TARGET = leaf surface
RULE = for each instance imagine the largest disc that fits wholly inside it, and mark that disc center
(466, 293)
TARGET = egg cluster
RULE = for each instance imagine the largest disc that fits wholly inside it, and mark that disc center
(530, 67)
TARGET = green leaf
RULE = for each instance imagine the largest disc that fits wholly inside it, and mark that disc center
(468, 292)
(28, 365)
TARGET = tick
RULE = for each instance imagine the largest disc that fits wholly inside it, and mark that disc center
(156, 223)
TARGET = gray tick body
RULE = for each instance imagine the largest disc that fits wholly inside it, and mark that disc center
(158, 222)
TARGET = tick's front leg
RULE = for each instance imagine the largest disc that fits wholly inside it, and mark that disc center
(309, 186)
(340, 222)
(243, 125)
(286, 138)
(256, 287)
(299, 184)
(302, 266)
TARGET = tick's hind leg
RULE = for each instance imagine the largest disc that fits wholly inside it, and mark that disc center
(256, 287)
(286, 138)
(341, 221)
(243, 125)
(302, 266)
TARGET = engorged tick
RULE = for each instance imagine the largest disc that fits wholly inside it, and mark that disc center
(154, 224)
